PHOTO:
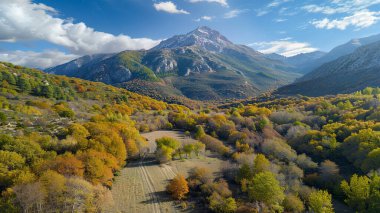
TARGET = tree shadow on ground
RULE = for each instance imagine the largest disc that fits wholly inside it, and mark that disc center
(164, 197)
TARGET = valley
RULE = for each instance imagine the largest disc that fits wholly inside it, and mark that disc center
(213, 106)
(119, 151)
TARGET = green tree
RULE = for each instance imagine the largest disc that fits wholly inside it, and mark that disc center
(3, 118)
(165, 154)
(188, 149)
(47, 91)
(169, 142)
(320, 202)
(374, 198)
(199, 148)
(293, 203)
(245, 173)
(220, 204)
(357, 191)
(200, 132)
(265, 188)
(11, 160)
(24, 85)
(367, 91)
(261, 164)
(372, 161)
(9, 77)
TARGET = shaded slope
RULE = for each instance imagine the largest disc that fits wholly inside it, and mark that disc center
(347, 74)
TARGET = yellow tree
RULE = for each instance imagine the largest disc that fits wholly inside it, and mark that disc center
(178, 187)
(320, 202)
(261, 164)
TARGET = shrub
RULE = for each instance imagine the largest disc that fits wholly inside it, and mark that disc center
(214, 145)
(178, 187)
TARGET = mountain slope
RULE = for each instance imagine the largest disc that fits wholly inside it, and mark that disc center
(300, 62)
(69, 68)
(340, 51)
(344, 75)
(201, 64)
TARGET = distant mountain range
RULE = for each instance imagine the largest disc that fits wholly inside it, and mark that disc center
(307, 62)
(346, 74)
(205, 65)
(202, 65)
(340, 51)
(300, 62)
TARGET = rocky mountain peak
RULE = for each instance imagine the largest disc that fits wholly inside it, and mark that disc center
(203, 37)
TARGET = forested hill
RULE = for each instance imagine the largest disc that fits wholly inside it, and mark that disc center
(63, 141)
(59, 135)
(23, 81)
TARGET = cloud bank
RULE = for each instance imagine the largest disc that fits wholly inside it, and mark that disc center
(356, 14)
(283, 47)
(359, 20)
(23, 20)
(36, 59)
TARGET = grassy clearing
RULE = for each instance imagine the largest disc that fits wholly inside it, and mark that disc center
(141, 185)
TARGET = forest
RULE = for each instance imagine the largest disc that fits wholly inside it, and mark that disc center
(64, 140)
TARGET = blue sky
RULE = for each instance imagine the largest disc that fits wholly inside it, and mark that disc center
(43, 33)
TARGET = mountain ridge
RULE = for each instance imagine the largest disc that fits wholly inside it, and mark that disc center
(341, 50)
(300, 61)
(203, 56)
(346, 74)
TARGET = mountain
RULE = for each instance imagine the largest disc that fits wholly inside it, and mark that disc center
(300, 61)
(339, 51)
(202, 37)
(304, 58)
(202, 65)
(346, 74)
(72, 66)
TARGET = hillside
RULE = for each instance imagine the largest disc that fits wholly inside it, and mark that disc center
(219, 67)
(347, 74)
(339, 51)
(300, 62)
(69, 134)
(65, 142)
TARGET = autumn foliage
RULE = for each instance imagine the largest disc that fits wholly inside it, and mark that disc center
(178, 187)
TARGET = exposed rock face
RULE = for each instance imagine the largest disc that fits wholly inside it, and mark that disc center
(202, 64)
(182, 60)
(203, 37)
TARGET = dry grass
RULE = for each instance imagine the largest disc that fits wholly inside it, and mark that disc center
(141, 185)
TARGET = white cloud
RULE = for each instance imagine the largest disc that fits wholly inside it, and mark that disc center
(261, 12)
(224, 3)
(340, 6)
(268, 8)
(280, 20)
(206, 18)
(169, 7)
(283, 47)
(234, 13)
(359, 20)
(323, 9)
(277, 3)
(36, 59)
(24, 20)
